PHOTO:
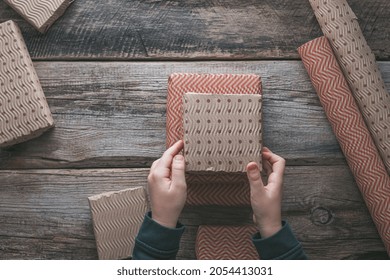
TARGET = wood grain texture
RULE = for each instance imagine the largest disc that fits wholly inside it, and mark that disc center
(112, 114)
(45, 214)
(206, 29)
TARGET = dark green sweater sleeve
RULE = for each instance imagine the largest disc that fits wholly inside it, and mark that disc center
(156, 242)
(283, 245)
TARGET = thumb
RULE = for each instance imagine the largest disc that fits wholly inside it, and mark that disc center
(254, 177)
(178, 172)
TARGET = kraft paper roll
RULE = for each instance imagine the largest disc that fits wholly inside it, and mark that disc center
(351, 131)
(340, 26)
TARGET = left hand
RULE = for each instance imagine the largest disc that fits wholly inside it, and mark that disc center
(167, 186)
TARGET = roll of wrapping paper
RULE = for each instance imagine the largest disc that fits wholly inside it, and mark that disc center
(340, 26)
(351, 131)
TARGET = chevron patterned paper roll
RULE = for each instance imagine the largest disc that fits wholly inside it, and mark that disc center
(225, 243)
(117, 218)
(40, 13)
(228, 189)
(24, 112)
(341, 27)
(351, 131)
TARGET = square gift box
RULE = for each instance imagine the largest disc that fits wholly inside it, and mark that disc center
(221, 132)
(41, 14)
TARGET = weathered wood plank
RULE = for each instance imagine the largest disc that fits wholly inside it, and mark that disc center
(45, 213)
(113, 114)
(192, 29)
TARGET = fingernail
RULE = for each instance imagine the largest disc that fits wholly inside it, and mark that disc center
(179, 158)
(252, 170)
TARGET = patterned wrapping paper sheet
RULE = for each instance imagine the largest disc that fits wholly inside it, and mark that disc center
(221, 132)
(340, 25)
(351, 131)
(227, 189)
(117, 218)
(41, 14)
(24, 112)
(225, 243)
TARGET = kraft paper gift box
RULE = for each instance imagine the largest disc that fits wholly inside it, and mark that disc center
(117, 218)
(221, 132)
(24, 112)
(181, 83)
(41, 14)
(210, 188)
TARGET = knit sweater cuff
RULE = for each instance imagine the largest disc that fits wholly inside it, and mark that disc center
(281, 245)
(155, 241)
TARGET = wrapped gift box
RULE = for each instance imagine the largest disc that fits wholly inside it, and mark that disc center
(221, 132)
(117, 218)
(24, 112)
(180, 83)
(40, 13)
(230, 189)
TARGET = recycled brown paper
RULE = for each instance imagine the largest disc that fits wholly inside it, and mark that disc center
(24, 112)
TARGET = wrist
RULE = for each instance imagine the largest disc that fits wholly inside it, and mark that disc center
(269, 230)
(168, 223)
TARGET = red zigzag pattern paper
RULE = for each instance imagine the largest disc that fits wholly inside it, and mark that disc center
(225, 243)
(209, 189)
(352, 133)
(212, 189)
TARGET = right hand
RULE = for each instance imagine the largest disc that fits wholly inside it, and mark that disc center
(266, 200)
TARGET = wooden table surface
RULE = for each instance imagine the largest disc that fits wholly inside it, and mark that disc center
(104, 67)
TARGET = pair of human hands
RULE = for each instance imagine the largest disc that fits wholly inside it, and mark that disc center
(168, 189)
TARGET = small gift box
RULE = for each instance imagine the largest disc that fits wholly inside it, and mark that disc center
(181, 83)
(24, 112)
(221, 132)
(40, 13)
(117, 218)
